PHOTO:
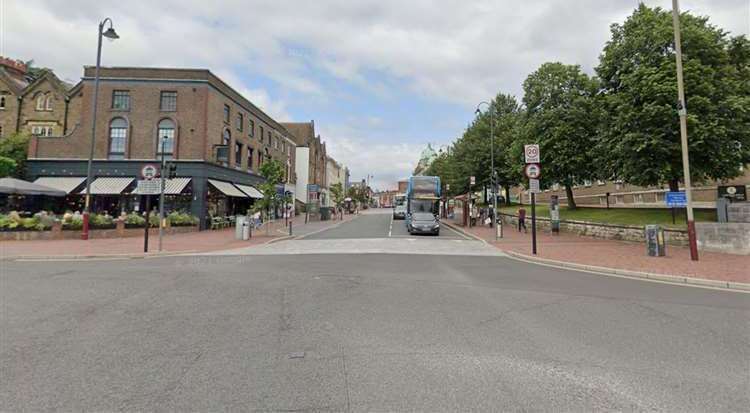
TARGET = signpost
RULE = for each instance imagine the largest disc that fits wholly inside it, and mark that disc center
(148, 173)
(533, 171)
(675, 199)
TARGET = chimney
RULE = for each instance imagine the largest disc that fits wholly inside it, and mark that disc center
(15, 68)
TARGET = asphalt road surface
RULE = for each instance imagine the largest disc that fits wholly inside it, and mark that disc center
(301, 331)
(379, 223)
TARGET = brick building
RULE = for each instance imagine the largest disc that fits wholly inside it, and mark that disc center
(623, 195)
(311, 163)
(217, 138)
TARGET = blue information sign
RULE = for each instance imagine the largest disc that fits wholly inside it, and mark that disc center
(676, 199)
(313, 188)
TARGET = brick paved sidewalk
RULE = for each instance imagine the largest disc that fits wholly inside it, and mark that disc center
(203, 241)
(621, 255)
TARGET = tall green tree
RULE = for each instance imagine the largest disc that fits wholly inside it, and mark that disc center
(273, 171)
(15, 147)
(337, 193)
(640, 143)
(562, 117)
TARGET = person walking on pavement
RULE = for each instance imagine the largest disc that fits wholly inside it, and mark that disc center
(522, 219)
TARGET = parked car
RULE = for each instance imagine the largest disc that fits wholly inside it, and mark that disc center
(423, 223)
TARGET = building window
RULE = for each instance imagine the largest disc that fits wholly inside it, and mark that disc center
(240, 121)
(118, 136)
(40, 102)
(48, 104)
(226, 113)
(260, 159)
(238, 154)
(269, 138)
(168, 101)
(165, 130)
(226, 137)
(250, 128)
(249, 158)
(41, 130)
(1, 131)
(262, 134)
(2, 102)
(121, 100)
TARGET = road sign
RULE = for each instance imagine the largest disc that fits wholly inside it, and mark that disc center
(531, 153)
(148, 187)
(534, 186)
(736, 193)
(472, 180)
(533, 171)
(676, 199)
(149, 171)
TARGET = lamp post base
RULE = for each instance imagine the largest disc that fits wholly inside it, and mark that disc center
(85, 231)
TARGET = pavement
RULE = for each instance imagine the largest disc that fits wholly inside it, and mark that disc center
(280, 327)
(618, 255)
(193, 242)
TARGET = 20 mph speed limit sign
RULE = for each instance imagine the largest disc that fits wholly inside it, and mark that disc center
(533, 171)
(531, 153)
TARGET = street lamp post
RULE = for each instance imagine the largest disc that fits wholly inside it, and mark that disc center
(162, 171)
(110, 34)
(498, 227)
(682, 110)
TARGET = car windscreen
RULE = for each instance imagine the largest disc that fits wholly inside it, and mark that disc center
(421, 216)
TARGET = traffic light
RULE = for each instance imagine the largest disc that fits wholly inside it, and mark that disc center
(171, 171)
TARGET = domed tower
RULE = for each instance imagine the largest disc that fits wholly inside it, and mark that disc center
(425, 160)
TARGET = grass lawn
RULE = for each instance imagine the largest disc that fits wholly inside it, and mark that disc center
(620, 216)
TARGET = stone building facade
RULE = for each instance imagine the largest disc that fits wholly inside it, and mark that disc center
(38, 104)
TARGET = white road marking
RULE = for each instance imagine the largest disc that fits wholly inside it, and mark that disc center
(390, 227)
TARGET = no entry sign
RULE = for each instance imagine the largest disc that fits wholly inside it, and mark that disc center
(149, 172)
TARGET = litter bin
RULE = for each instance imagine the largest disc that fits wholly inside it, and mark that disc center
(242, 227)
(655, 241)
(325, 213)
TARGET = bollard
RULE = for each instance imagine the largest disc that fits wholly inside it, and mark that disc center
(290, 228)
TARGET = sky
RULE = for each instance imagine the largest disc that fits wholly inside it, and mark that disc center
(381, 78)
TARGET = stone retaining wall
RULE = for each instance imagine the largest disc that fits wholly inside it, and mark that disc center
(615, 232)
(727, 237)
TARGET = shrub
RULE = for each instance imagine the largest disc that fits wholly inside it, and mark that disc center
(181, 219)
(72, 221)
(7, 223)
(133, 220)
(102, 221)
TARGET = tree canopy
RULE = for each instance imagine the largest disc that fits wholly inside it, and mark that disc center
(640, 142)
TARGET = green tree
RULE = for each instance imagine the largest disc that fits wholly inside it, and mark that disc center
(15, 147)
(562, 117)
(640, 142)
(337, 193)
(7, 166)
(273, 172)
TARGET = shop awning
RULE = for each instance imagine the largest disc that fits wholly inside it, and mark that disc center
(173, 186)
(109, 185)
(62, 183)
(227, 188)
(13, 186)
(251, 191)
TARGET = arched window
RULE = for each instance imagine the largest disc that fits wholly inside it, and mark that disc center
(226, 137)
(165, 130)
(118, 137)
(40, 102)
(48, 104)
(2, 102)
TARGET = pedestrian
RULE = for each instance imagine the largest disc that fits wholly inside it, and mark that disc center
(522, 219)
(256, 219)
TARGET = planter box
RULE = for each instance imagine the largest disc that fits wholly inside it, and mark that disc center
(93, 233)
